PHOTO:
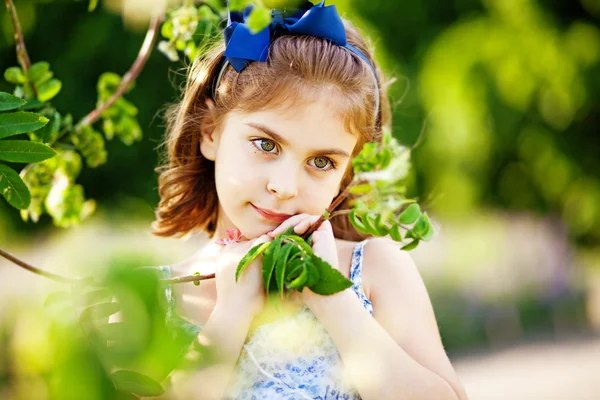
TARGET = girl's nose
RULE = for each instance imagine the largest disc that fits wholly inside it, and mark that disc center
(283, 184)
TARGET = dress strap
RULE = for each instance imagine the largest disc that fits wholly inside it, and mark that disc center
(356, 274)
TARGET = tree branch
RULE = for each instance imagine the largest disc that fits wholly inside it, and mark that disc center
(62, 279)
(130, 76)
(35, 270)
(22, 54)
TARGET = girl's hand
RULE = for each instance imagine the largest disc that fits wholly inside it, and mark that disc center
(247, 296)
(323, 241)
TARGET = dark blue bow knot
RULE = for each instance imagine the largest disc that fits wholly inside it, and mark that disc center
(244, 47)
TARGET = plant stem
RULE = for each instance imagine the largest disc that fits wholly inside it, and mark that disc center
(331, 208)
(129, 77)
(35, 270)
(62, 279)
(22, 55)
(190, 278)
(339, 212)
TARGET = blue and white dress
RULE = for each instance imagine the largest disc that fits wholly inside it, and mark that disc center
(294, 357)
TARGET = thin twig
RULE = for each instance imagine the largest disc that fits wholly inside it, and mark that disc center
(191, 278)
(22, 54)
(129, 77)
(35, 270)
(338, 213)
(62, 279)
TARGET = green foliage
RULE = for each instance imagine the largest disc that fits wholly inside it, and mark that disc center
(13, 123)
(116, 335)
(13, 189)
(290, 263)
(120, 119)
(379, 205)
(259, 18)
(186, 28)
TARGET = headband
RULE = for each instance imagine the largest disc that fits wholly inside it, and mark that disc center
(244, 47)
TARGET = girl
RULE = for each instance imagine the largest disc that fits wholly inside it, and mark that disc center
(262, 140)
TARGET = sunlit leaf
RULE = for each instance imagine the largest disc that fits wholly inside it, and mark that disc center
(395, 233)
(410, 215)
(412, 245)
(269, 261)
(134, 382)
(9, 102)
(330, 279)
(23, 151)
(49, 89)
(37, 71)
(20, 122)
(13, 188)
(99, 311)
(259, 18)
(15, 75)
(249, 257)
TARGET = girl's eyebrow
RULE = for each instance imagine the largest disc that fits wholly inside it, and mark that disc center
(284, 142)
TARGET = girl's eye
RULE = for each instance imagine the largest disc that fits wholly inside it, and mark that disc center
(322, 163)
(265, 145)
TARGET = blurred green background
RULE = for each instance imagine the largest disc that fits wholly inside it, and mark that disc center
(499, 98)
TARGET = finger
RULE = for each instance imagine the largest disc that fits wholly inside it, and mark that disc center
(291, 221)
(303, 226)
(262, 239)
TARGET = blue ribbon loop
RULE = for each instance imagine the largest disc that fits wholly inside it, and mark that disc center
(244, 47)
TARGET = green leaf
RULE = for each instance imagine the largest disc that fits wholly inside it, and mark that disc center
(92, 6)
(13, 188)
(282, 263)
(15, 75)
(300, 242)
(113, 331)
(20, 122)
(49, 89)
(94, 296)
(380, 226)
(411, 245)
(9, 102)
(238, 5)
(421, 226)
(313, 275)
(133, 382)
(259, 18)
(57, 298)
(23, 151)
(269, 260)
(356, 222)
(330, 279)
(299, 282)
(37, 71)
(410, 215)
(99, 311)
(249, 257)
(31, 104)
(363, 188)
(395, 233)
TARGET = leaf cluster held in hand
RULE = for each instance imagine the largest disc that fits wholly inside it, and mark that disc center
(290, 263)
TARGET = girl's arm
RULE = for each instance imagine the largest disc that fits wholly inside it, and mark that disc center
(224, 333)
(398, 354)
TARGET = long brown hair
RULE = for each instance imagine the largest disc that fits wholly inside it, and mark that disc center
(188, 196)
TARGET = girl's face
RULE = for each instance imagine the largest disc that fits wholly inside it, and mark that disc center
(270, 165)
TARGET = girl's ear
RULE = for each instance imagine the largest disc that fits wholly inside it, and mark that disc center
(209, 138)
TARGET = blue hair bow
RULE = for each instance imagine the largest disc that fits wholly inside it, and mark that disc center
(245, 47)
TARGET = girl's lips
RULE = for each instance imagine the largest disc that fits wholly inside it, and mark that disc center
(270, 215)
